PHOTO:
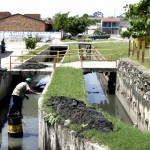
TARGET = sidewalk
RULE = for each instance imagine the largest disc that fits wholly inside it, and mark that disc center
(13, 48)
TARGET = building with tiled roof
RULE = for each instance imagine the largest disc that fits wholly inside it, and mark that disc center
(23, 23)
(110, 25)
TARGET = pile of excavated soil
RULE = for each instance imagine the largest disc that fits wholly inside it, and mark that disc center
(31, 65)
(78, 113)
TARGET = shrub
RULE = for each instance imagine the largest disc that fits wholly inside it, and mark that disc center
(30, 43)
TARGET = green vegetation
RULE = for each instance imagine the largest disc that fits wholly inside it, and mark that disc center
(34, 52)
(30, 43)
(69, 82)
(66, 82)
(73, 53)
(119, 48)
(139, 20)
(73, 24)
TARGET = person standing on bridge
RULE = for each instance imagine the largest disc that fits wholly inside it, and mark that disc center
(18, 95)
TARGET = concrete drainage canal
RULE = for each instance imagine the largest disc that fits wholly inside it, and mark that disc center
(22, 133)
(102, 95)
(96, 92)
(28, 124)
(97, 88)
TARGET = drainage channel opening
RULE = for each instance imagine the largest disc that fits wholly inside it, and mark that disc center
(29, 123)
(97, 95)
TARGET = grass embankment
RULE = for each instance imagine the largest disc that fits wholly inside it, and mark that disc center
(69, 82)
(34, 52)
(121, 49)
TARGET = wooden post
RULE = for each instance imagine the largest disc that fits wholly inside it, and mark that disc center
(138, 50)
(10, 63)
(54, 65)
(133, 48)
(57, 56)
(143, 51)
(81, 59)
(149, 56)
(129, 48)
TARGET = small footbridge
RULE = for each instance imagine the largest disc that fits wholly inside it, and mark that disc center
(90, 60)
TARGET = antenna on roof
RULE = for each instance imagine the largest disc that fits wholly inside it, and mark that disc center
(114, 12)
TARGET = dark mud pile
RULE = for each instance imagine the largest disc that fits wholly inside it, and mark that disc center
(31, 65)
(78, 113)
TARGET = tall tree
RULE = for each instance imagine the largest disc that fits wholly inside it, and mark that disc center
(60, 21)
(78, 24)
(139, 19)
(74, 24)
(98, 14)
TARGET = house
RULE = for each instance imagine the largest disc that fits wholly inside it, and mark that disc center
(110, 25)
(23, 23)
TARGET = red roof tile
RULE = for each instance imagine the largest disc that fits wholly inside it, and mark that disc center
(111, 19)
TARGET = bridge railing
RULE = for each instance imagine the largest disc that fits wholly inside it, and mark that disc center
(62, 56)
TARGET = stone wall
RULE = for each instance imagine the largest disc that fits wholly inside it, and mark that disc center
(133, 91)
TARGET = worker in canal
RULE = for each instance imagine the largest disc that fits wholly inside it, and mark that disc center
(18, 94)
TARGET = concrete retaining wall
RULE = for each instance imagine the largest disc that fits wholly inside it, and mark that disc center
(5, 82)
(133, 91)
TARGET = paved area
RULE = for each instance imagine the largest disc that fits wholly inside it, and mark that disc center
(13, 49)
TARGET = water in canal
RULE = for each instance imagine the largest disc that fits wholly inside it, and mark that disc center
(30, 127)
(108, 102)
(29, 123)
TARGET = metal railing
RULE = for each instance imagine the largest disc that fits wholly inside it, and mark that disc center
(65, 56)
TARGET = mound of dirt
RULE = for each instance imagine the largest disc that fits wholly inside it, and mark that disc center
(78, 113)
(31, 65)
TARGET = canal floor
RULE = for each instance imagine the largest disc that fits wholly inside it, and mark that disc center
(30, 127)
(107, 102)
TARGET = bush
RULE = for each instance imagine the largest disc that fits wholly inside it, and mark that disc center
(99, 32)
(30, 43)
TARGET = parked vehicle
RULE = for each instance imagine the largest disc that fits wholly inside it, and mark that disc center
(99, 36)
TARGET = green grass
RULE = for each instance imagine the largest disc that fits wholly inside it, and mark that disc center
(121, 49)
(67, 81)
(72, 55)
(35, 51)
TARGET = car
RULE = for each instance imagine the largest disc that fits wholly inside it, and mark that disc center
(99, 36)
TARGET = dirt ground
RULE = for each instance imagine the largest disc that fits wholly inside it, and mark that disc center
(78, 113)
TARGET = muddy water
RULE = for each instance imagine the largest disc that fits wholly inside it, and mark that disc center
(30, 121)
(97, 96)
(30, 127)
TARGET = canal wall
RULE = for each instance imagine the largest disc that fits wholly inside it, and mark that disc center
(9, 79)
(5, 82)
(133, 91)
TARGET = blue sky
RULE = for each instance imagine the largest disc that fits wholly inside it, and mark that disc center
(48, 8)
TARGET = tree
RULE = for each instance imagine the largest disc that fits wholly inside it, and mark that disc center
(77, 24)
(139, 18)
(60, 21)
(74, 24)
(98, 14)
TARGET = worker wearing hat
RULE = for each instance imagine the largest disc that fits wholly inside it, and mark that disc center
(18, 95)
